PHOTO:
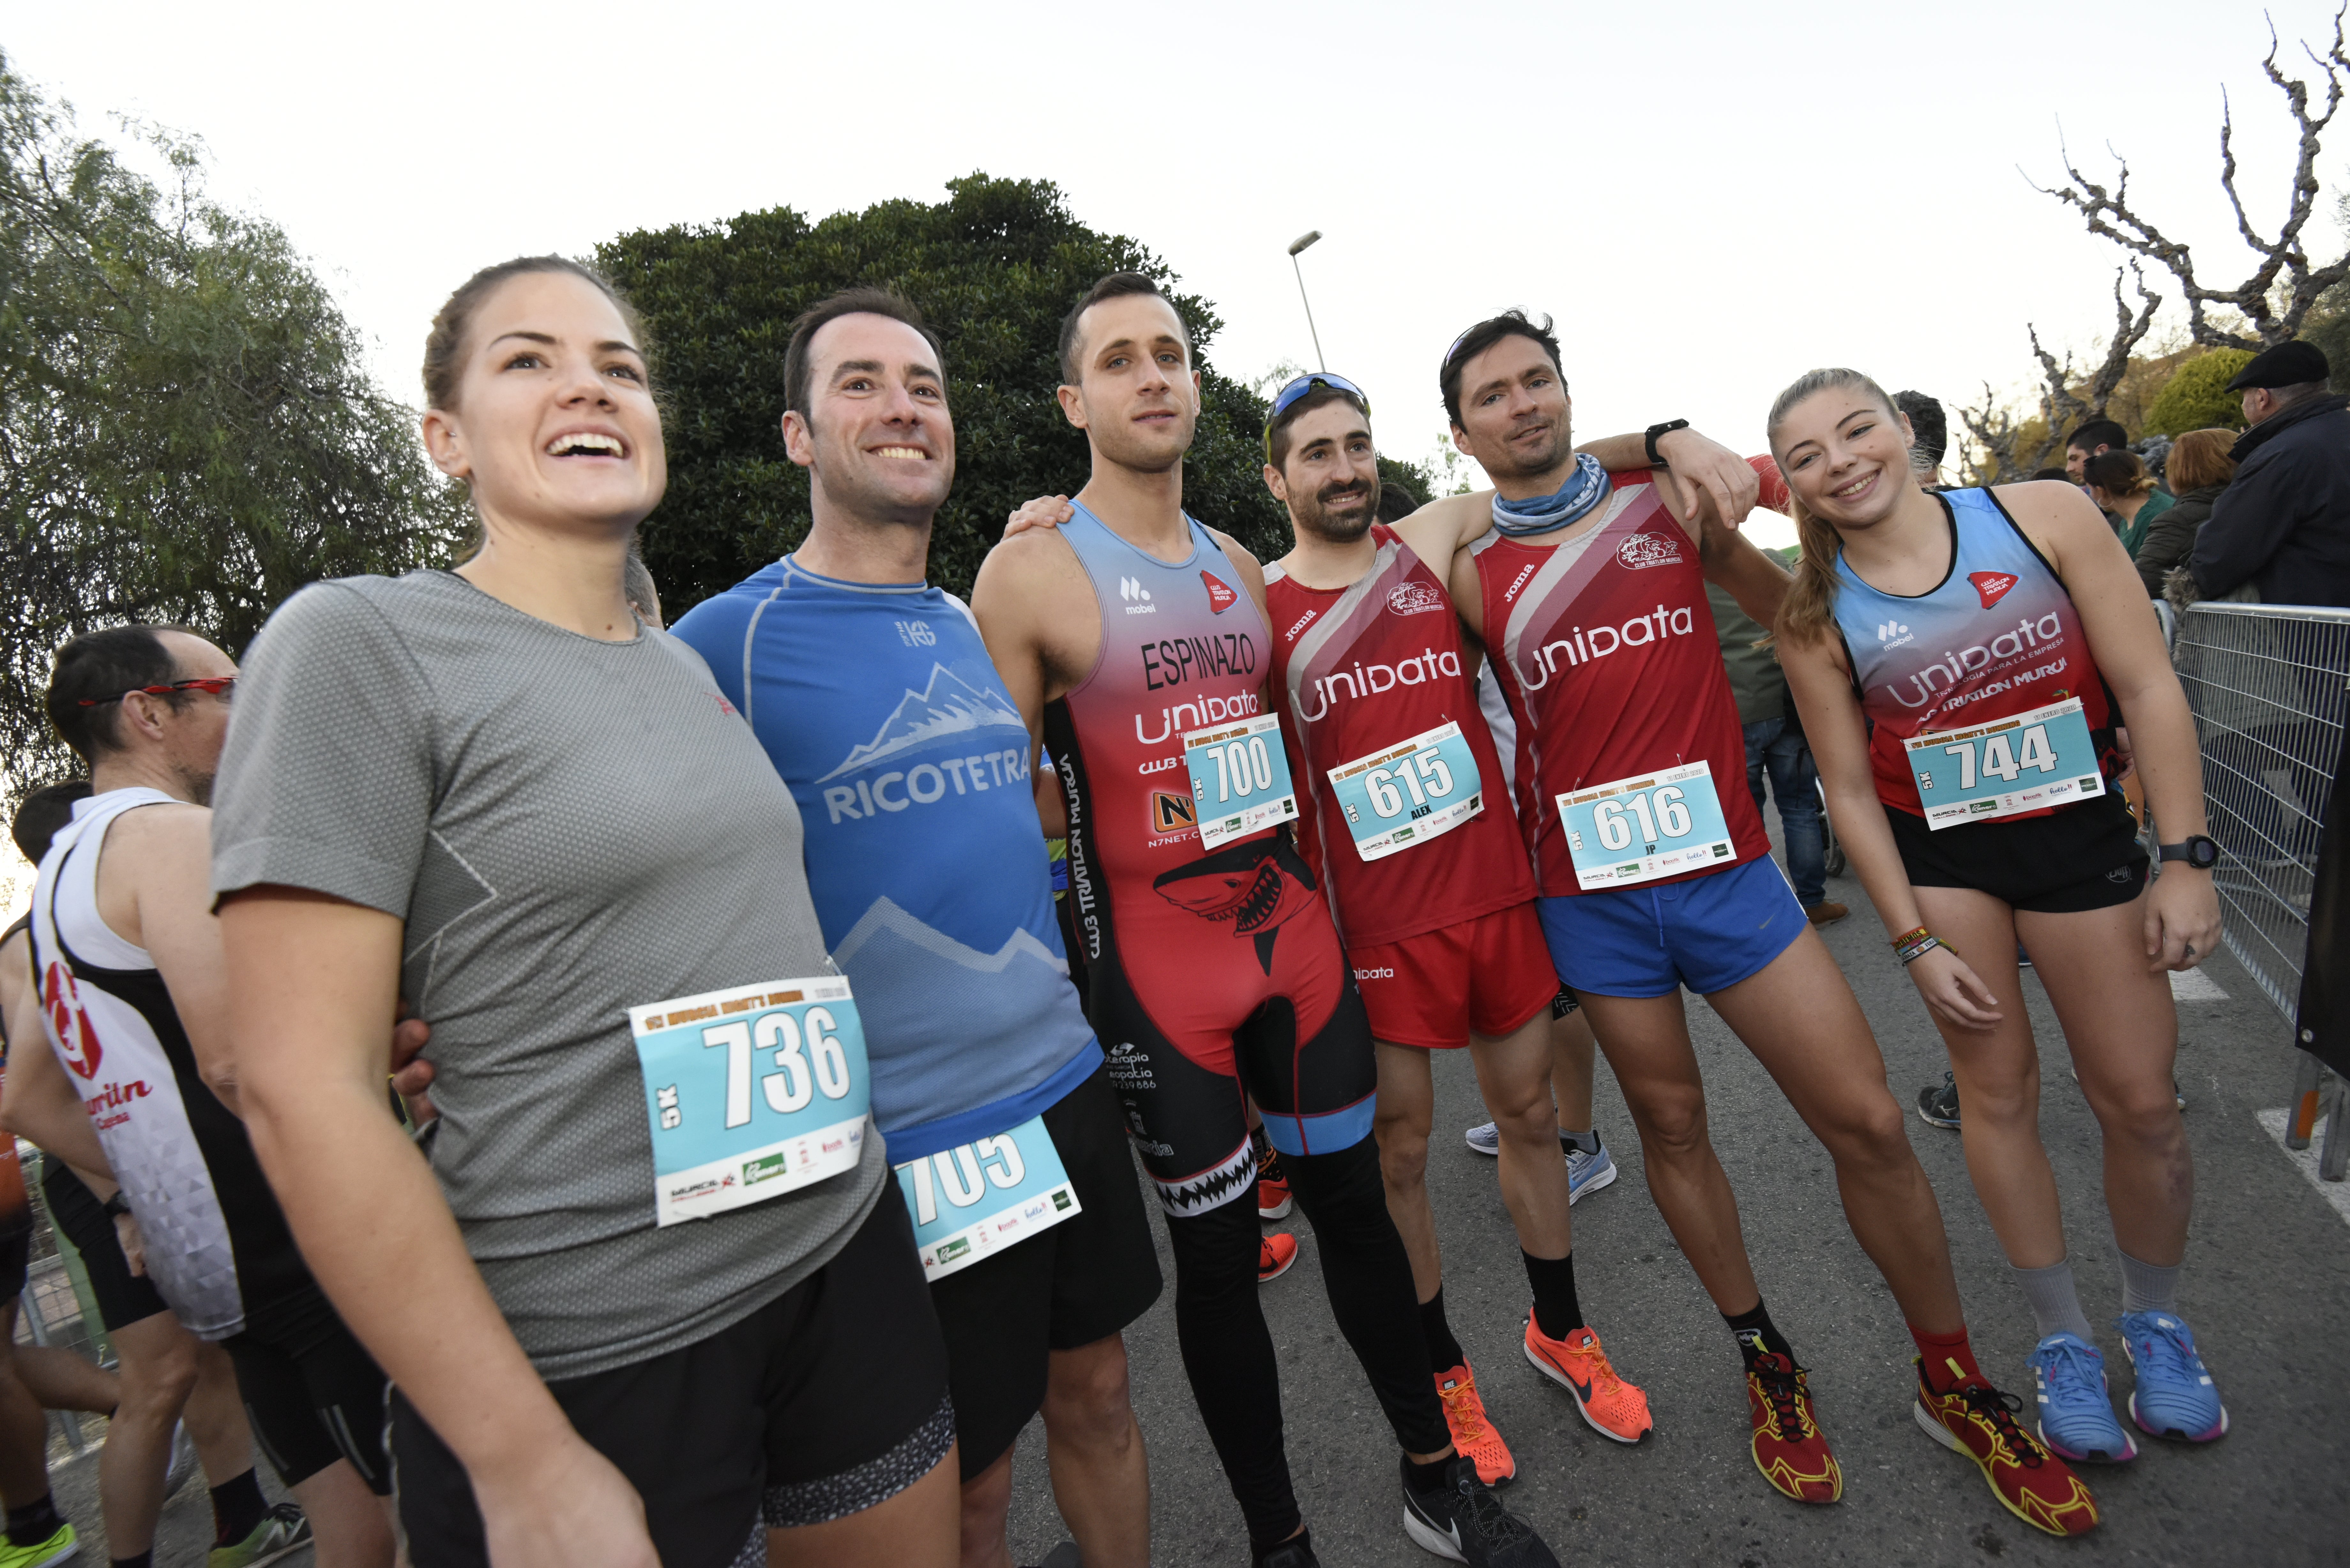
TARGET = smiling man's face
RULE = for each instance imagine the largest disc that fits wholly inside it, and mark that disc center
(877, 436)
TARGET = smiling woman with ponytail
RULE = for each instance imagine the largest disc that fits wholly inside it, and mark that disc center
(2006, 630)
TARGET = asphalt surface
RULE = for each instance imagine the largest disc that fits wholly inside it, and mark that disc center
(2267, 1285)
(2268, 1277)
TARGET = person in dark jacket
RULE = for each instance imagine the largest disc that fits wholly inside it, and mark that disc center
(2283, 525)
(2200, 469)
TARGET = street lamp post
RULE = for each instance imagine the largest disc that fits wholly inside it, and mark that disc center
(1295, 245)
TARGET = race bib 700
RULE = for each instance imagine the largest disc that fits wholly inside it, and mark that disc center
(1240, 778)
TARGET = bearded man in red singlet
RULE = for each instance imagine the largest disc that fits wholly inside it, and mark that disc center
(1654, 874)
(1138, 639)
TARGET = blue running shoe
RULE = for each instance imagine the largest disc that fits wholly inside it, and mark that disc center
(2077, 1414)
(2175, 1396)
(1587, 1171)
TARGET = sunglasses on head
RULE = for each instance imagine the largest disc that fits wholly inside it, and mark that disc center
(215, 685)
(1286, 398)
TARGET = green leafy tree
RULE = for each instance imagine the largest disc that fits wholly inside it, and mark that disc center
(2196, 397)
(186, 429)
(993, 267)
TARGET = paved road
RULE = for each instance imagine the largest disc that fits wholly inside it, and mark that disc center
(2269, 1281)
(2267, 1287)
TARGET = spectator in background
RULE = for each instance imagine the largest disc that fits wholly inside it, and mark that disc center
(1930, 429)
(2283, 525)
(2126, 492)
(2094, 437)
(2200, 469)
(2060, 475)
(1774, 736)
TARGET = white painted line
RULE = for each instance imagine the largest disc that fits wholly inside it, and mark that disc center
(2337, 1193)
(2194, 985)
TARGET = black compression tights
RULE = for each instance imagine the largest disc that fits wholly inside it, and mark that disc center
(1228, 1351)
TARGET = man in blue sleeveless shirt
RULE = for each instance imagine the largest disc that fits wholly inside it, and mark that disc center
(877, 700)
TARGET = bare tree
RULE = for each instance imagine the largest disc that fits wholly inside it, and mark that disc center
(2281, 289)
(2064, 400)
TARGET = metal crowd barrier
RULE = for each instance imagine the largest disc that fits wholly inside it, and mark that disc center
(2269, 687)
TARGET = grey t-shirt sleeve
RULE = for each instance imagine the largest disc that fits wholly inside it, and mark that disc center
(327, 781)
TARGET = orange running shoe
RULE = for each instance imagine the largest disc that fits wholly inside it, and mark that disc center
(1473, 1433)
(1788, 1447)
(1273, 1200)
(1274, 1254)
(1979, 1421)
(1613, 1406)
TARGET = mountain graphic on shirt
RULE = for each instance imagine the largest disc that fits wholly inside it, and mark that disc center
(947, 706)
(939, 1013)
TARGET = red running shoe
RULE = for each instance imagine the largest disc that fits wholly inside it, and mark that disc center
(1274, 1254)
(1979, 1421)
(1788, 1447)
(1473, 1433)
(1273, 1200)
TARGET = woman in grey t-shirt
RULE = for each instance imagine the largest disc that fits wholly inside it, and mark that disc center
(679, 1274)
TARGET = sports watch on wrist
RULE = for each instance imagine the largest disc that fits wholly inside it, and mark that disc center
(2197, 851)
(1667, 428)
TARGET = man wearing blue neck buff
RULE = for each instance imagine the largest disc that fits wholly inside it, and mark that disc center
(1650, 862)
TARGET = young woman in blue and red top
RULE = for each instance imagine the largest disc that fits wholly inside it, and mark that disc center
(2009, 623)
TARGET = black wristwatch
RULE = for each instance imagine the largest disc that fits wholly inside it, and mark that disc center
(1667, 428)
(2198, 851)
(118, 1205)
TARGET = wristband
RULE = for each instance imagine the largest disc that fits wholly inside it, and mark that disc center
(1667, 428)
(1908, 955)
(1906, 937)
(118, 1205)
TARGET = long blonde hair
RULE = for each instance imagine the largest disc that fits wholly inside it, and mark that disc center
(1808, 613)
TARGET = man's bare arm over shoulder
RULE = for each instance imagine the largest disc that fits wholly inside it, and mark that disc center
(1035, 610)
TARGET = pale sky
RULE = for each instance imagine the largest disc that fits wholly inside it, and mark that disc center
(1711, 198)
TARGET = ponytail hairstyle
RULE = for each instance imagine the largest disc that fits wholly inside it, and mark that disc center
(2118, 473)
(1808, 613)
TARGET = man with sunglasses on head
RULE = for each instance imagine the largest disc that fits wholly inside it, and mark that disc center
(133, 1000)
(1215, 975)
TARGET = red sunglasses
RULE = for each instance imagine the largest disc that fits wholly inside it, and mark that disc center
(216, 685)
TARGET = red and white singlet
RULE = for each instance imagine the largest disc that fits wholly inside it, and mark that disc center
(1605, 649)
(1366, 667)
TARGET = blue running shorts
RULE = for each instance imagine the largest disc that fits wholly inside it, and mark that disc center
(1708, 933)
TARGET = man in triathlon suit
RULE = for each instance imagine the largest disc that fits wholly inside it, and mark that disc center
(1427, 878)
(132, 998)
(1655, 874)
(874, 696)
(1215, 975)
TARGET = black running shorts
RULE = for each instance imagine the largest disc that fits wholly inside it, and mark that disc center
(15, 1254)
(124, 1298)
(1084, 1280)
(2078, 858)
(827, 1400)
(311, 1393)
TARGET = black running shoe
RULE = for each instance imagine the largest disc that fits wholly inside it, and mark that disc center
(1465, 1522)
(1297, 1551)
(1938, 1104)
